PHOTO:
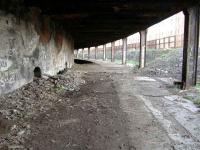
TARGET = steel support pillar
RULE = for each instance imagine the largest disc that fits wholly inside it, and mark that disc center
(89, 53)
(143, 40)
(95, 55)
(82, 53)
(113, 52)
(104, 52)
(75, 53)
(124, 51)
(190, 48)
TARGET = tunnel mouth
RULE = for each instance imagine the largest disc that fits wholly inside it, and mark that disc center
(37, 72)
(79, 61)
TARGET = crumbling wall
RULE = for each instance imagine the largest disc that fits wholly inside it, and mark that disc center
(31, 41)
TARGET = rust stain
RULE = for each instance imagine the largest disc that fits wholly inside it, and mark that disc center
(35, 13)
(34, 17)
(45, 31)
(41, 24)
(58, 40)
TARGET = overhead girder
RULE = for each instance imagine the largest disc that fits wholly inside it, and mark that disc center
(96, 22)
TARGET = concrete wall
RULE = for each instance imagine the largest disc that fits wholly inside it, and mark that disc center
(28, 42)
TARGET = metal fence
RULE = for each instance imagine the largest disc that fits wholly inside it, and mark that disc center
(175, 41)
(170, 42)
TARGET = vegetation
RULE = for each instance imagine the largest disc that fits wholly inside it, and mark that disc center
(197, 102)
(198, 86)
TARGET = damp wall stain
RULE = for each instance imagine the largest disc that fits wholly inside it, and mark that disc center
(28, 42)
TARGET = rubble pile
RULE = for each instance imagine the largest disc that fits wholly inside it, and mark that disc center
(167, 66)
(28, 102)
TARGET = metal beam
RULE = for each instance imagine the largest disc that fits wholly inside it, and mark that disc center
(124, 51)
(82, 53)
(190, 49)
(104, 52)
(143, 40)
(112, 51)
(96, 49)
(89, 53)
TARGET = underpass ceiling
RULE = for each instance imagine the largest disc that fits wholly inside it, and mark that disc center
(95, 22)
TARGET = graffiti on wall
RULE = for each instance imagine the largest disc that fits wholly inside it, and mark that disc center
(5, 64)
(8, 78)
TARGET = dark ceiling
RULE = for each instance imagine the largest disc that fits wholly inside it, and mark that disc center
(95, 22)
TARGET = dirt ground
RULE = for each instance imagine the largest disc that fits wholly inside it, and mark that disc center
(113, 109)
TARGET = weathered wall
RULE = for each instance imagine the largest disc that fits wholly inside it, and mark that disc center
(28, 42)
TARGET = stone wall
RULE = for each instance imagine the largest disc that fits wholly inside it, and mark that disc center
(31, 41)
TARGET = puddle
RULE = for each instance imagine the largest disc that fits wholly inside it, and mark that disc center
(178, 136)
(183, 102)
(144, 79)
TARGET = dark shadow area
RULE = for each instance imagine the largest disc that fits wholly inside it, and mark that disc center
(64, 70)
(79, 61)
(61, 72)
(37, 72)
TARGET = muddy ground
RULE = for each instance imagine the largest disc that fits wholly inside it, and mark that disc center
(107, 107)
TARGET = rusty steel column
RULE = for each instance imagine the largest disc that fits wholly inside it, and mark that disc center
(143, 40)
(190, 48)
(89, 53)
(82, 53)
(124, 51)
(113, 52)
(104, 52)
(95, 55)
(75, 53)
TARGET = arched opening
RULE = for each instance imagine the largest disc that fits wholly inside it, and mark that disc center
(37, 72)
